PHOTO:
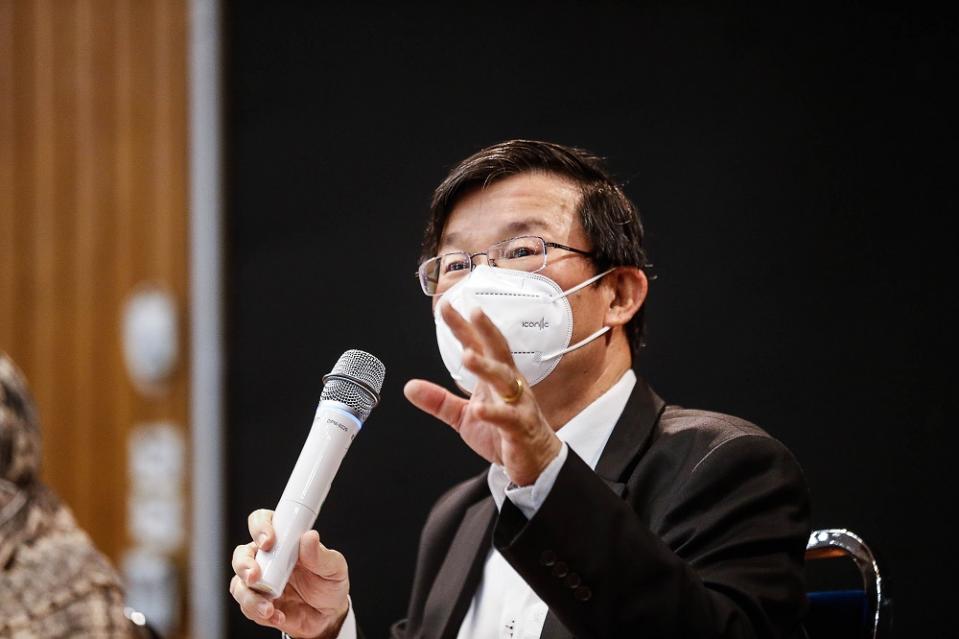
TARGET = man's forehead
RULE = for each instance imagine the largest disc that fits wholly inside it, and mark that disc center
(536, 204)
(512, 228)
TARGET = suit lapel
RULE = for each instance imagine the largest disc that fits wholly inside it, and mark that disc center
(631, 435)
(458, 577)
(554, 629)
(629, 439)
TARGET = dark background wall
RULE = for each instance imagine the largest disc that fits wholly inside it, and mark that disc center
(792, 171)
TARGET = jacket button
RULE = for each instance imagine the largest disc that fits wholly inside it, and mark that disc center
(583, 593)
(548, 558)
(560, 570)
(573, 580)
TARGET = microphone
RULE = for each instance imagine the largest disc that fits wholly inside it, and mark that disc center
(351, 390)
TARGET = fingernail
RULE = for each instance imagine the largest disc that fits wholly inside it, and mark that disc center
(263, 609)
(280, 617)
(261, 539)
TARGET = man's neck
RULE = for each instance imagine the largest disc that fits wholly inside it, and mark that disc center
(567, 397)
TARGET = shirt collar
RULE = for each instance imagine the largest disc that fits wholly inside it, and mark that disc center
(587, 432)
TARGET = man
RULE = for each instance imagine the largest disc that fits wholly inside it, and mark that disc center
(605, 512)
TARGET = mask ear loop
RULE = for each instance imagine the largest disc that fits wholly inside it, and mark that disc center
(579, 344)
(588, 339)
(581, 285)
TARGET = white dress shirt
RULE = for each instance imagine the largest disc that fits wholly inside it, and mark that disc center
(504, 606)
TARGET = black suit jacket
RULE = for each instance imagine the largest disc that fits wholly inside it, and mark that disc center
(694, 524)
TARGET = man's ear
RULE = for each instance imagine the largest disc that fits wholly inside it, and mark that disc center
(629, 287)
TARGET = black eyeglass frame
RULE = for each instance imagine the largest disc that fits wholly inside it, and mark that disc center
(546, 244)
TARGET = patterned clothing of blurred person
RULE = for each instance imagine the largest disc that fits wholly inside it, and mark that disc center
(53, 581)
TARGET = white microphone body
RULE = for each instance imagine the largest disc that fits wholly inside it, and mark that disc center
(334, 427)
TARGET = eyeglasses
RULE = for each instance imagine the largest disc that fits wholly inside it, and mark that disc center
(525, 253)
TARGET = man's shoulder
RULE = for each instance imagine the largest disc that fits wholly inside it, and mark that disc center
(699, 456)
(693, 435)
(709, 426)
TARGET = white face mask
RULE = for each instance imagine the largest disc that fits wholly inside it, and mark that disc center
(530, 310)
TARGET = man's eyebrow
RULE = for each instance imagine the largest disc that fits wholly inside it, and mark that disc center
(513, 229)
(448, 239)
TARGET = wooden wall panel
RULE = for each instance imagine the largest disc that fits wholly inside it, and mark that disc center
(93, 152)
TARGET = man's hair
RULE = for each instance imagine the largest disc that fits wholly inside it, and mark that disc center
(610, 219)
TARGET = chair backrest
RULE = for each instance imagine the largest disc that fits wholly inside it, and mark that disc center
(859, 613)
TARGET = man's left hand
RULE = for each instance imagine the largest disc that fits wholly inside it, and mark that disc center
(514, 434)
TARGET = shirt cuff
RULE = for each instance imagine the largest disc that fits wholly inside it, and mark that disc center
(529, 498)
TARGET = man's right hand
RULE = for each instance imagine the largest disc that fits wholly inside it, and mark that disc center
(314, 603)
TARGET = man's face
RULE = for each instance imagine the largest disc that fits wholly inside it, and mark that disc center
(532, 204)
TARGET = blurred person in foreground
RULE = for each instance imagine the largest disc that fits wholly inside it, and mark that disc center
(53, 582)
(605, 512)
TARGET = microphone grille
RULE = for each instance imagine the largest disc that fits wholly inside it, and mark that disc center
(356, 380)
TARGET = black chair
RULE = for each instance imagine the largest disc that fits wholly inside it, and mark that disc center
(851, 613)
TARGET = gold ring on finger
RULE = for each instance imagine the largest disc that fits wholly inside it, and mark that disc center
(520, 386)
